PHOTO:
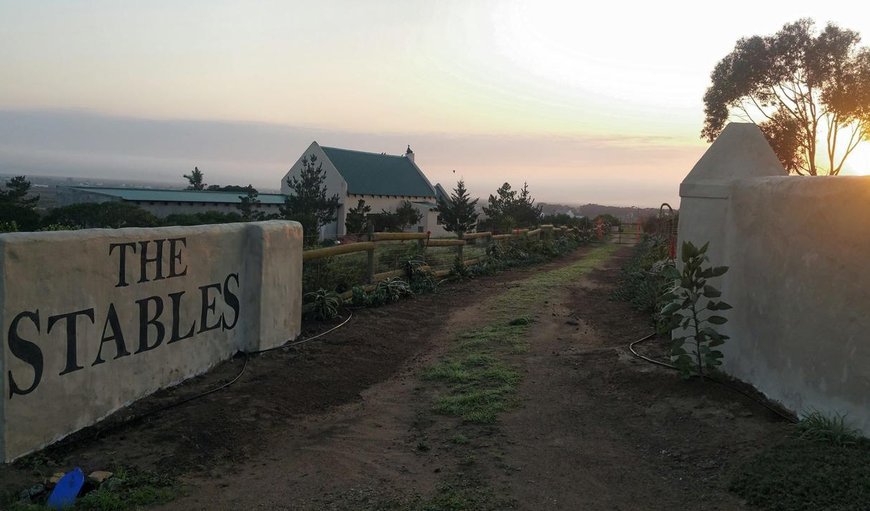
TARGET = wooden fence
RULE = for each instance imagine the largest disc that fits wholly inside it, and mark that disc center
(422, 238)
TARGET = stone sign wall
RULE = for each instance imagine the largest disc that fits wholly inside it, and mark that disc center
(95, 319)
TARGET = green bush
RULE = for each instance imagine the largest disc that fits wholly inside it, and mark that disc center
(324, 304)
(693, 348)
(110, 215)
(644, 279)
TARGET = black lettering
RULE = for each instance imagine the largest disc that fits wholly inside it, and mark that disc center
(145, 321)
(208, 306)
(71, 336)
(176, 319)
(232, 300)
(144, 260)
(25, 351)
(175, 256)
(117, 336)
(122, 261)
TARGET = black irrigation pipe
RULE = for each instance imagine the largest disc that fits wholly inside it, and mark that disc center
(788, 417)
(303, 341)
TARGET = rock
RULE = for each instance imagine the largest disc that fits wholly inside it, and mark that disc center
(98, 476)
(52, 481)
(34, 491)
(572, 322)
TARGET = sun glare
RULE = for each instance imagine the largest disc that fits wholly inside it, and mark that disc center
(858, 163)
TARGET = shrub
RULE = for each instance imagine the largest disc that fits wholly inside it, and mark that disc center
(324, 303)
(834, 430)
(390, 290)
(645, 279)
(697, 323)
(421, 279)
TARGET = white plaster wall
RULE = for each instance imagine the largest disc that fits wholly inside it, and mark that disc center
(796, 250)
(254, 302)
(334, 183)
(801, 292)
(391, 202)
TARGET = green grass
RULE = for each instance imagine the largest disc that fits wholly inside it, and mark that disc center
(822, 465)
(465, 497)
(477, 374)
(832, 429)
(460, 439)
(530, 293)
(127, 489)
(479, 385)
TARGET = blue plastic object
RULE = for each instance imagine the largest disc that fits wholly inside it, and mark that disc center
(67, 489)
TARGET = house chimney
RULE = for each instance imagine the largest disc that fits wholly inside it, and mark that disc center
(409, 154)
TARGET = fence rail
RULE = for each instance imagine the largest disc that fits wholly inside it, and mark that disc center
(375, 239)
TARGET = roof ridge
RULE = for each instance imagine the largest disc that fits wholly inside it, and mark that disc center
(131, 188)
(363, 152)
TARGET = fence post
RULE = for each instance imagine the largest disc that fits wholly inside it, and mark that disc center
(372, 262)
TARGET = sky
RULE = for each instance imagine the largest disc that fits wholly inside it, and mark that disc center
(586, 102)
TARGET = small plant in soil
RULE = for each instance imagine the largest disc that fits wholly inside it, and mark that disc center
(693, 349)
(833, 429)
(391, 290)
(325, 304)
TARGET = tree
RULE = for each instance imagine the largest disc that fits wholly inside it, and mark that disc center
(499, 208)
(508, 210)
(458, 212)
(607, 218)
(809, 93)
(17, 210)
(524, 210)
(356, 222)
(407, 215)
(403, 217)
(230, 188)
(195, 179)
(307, 202)
(248, 203)
(110, 214)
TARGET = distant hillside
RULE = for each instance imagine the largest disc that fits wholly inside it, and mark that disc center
(626, 214)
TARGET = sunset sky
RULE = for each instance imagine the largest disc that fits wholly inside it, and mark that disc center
(588, 104)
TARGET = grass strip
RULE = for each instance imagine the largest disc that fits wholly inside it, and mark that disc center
(479, 378)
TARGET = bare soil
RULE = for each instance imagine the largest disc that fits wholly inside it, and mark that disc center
(345, 422)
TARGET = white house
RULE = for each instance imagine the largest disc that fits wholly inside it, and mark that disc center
(383, 181)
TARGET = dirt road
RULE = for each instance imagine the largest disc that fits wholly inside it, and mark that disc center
(594, 428)
(353, 422)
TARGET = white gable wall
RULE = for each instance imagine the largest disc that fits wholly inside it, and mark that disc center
(335, 184)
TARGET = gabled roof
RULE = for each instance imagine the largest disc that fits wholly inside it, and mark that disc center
(152, 195)
(441, 193)
(379, 174)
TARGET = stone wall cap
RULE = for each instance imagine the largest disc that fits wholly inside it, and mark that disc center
(740, 151)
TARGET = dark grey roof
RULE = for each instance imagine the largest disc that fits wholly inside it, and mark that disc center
(379, 174)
